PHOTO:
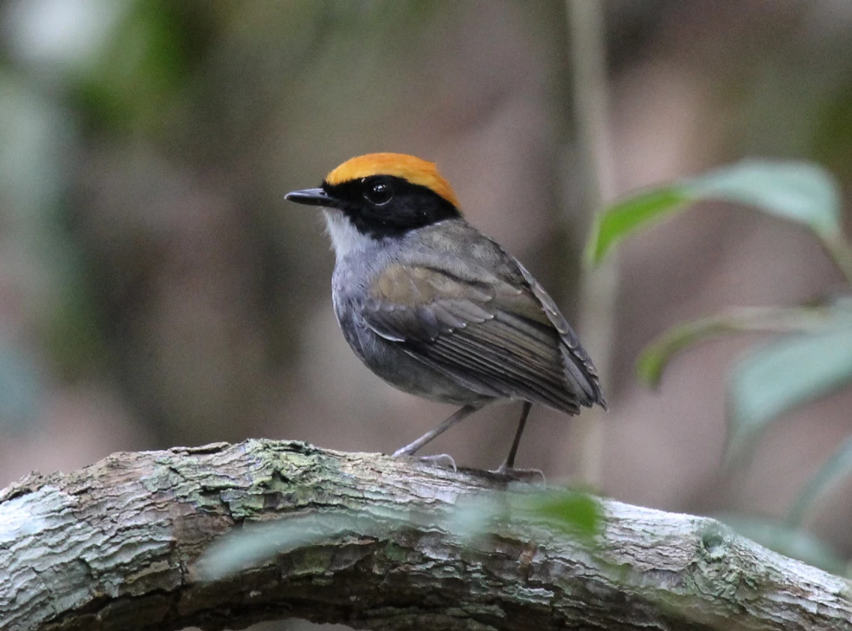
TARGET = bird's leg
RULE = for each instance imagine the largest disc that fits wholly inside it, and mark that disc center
(460, 415)
(509, 463)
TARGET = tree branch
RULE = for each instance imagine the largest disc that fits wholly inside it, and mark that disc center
(116, 546)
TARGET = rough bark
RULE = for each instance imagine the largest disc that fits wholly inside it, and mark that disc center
(116, 546)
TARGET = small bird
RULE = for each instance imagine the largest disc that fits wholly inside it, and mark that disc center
(436, 308)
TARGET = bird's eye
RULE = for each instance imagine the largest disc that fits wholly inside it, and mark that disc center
(379, 193)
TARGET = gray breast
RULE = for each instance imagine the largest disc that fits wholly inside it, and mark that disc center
(389, 360)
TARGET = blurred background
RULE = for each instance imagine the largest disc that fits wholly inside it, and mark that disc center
(156, 289)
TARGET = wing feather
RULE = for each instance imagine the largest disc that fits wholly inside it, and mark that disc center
(509, 377)
(482, 331)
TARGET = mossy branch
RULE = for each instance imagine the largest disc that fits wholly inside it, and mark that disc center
(117, 545)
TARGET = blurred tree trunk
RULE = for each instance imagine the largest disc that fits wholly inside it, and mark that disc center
(116, 546)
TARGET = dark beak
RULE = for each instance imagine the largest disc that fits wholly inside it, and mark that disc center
(310, 197)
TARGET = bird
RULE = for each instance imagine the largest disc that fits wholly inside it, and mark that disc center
(437, 309)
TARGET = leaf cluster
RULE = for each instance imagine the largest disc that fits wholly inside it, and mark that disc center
(811, 353)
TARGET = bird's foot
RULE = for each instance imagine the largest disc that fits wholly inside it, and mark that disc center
(531, 476)
(439, 460)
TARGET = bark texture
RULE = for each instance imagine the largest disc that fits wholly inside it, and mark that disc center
(372, 542)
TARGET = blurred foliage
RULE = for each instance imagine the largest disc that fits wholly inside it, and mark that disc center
(793, 542)
(34, 136)
(783, 374)
(143, 61)
(789, 372)
(21, 387)
(799, 192)
(833, 136)
(656, 356)
(574, 513)
(835, 469)
(571, 513)
(258, 543)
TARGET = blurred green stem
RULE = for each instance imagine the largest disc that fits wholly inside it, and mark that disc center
(656, 356)
(840, 251)
(836, 468)
(591, 107)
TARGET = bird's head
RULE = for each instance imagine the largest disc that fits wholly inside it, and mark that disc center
(380, 195)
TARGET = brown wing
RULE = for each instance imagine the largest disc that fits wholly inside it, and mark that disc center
(484, 332)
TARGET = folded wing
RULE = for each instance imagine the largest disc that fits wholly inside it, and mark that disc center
(493, 336)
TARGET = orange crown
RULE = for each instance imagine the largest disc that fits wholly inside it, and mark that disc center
(410, 168)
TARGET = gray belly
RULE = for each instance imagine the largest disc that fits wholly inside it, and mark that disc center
(387, 360)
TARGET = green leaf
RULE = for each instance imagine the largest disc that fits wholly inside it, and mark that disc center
(837, 467)
(630, 215)
(573, 512)
(656, 356)
(792, 542)
(797, 191)
(785, 374)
